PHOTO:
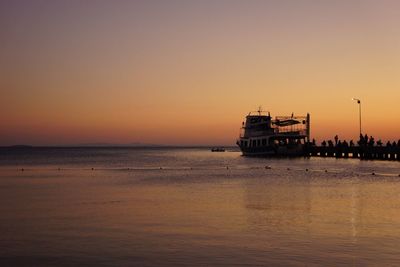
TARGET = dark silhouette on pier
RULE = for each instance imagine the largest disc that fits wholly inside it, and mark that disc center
(366, 148)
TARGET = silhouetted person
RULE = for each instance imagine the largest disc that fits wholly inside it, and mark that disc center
(351, 143)
(313, 142)
(388, 144)
(371, 141)
(323, 143)
(394, 143)
(336, 139)
(361, 141)
(330, 143)
(379, 142)
(345, 144)
(366, 139)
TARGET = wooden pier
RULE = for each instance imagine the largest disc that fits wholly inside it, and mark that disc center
(361, 152)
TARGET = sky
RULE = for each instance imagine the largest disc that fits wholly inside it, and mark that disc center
(188, 72)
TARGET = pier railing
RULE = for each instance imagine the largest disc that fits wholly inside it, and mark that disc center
(362, 152)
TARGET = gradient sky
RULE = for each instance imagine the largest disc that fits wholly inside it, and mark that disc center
(187, 72)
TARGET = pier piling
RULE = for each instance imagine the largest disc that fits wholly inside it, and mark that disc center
(361, 152)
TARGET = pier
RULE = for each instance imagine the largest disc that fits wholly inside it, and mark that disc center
(361, 152)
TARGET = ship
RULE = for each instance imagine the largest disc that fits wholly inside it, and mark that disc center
(264, 136)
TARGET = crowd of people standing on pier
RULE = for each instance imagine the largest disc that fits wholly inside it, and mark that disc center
(364, 141)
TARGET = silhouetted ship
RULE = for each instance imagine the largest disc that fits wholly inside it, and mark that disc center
(217, 149)
(283, 136)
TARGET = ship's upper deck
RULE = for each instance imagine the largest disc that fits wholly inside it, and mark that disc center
(263, 125)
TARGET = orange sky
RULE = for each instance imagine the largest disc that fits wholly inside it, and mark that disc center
(186, 72)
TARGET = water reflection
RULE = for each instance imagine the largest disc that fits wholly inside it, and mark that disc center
(345, 222)
(204, 216)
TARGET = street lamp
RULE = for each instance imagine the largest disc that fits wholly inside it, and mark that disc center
(359, 111)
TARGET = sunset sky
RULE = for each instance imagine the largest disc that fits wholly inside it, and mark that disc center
(188, 72)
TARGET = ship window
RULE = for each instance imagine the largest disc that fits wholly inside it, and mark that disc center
(245, 143)
(254, 143)
(264, 142)
(258, 142)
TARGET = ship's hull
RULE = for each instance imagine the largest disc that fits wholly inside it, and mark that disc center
(274, 151)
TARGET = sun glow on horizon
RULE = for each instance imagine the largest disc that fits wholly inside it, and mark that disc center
(188, 72)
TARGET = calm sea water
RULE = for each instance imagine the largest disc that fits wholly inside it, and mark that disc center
(192, 207)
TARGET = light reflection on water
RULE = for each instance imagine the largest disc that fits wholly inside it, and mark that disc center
(195, 211)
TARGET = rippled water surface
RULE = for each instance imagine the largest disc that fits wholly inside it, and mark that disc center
(192, 207)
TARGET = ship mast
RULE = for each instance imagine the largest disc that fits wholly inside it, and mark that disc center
(308, 127)
(259, 110)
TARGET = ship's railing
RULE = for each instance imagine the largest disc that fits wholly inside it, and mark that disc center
(273, 131)
(258, 113)
(289, 130)
(298, 118)
(301, 132)
(255, 133)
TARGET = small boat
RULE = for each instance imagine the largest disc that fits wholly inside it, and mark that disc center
(262, 135)
(217, 149)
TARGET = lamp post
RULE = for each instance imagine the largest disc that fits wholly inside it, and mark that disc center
(359, 111)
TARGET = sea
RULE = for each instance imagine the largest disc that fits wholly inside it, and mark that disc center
(129, 206)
